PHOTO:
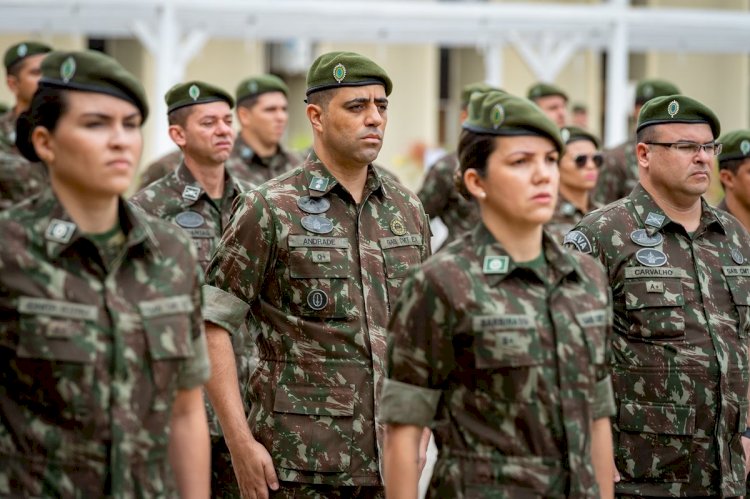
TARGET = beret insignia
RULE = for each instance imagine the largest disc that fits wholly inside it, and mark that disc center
(673, 108)
(339, 73)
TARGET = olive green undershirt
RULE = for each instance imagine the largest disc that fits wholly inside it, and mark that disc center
(109, 243)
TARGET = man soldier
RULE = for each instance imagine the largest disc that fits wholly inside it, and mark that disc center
(257, 155)
(23, 67)
(317, 255)
(552, 100)
(619, 174)
(680, 280)
(734, 174)
(439, 195)
(198, 197)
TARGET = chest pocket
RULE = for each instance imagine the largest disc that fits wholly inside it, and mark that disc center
(738, 280)
(319, 284)
(594, 326)
(654, 307)
(507, 356)
(400, 253)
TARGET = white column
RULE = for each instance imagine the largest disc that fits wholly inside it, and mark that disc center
(616, 110)
(493, 65)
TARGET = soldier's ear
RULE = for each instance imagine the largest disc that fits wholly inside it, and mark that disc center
(177, 134)
(243, 116)
(643, 154)
(12, 83)
(43, 144)
(315, 115)
(474, 184)
(726, 178)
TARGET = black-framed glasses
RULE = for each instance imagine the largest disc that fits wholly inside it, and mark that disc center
(582, 159)
(692, 148)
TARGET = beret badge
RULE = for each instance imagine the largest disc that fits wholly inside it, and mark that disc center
(339, 73)
(673, 108)
(68, 69)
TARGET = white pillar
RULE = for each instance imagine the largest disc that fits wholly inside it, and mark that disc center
(493, 65)
(616, 110)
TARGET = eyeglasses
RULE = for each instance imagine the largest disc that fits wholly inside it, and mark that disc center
(692, 148)
(582, 159)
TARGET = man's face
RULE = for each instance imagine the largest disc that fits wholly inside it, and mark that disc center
(737, 184)
(676, 174)
(352, 124)
(23, 85)
(555, 107)
(207, 135)
(266, 120)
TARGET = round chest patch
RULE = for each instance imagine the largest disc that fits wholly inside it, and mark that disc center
(737, 256)
(313, 205)
(317, 299)
(641, 238)
(189, 219)
(398, 227)
(651, 257)
(317, 224)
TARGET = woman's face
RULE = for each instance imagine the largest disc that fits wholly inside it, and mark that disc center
(95, 147)
(521, 180)
(575, 177)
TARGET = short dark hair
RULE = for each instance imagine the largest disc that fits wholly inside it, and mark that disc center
(249, 102)
(47, 106)
(474, 149)
(179, 116)
(647, 134)
(321, 98)
(16, 68)
(731, 164)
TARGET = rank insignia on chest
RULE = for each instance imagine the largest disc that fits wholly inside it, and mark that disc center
(317, 299)
(641, 238)
(60, 231)
(654, 219)
(579, 240)
(317, 224)
(191, 193)
(495, 265)
(737, 256)
(397, 227)
(651, 257)
(312, 205)
(319, 184)
(189, 219)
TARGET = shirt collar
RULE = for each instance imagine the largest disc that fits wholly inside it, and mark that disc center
(319, 181)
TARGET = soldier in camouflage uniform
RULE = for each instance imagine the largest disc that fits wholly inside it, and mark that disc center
(499, 342)
(198, 197)
(552, 100)
(681, 283)
(620, 171)
(579, 168)
(734, 172)
(20, 179)
(257, 155)
(438, 193)
(102, 344)
(317, 255)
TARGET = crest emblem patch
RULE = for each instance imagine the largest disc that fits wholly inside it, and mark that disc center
(194, 92)
(651, 257)
(745, 147)
(68, 69)
(339, 73)
(498, 116)
(673, 108)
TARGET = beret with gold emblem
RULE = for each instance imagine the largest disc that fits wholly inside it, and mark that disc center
(21, 51)
(542, 89)
(261, 84)
(677, 109)
(573, 133)
(649, 89)
(735, 145)
(195, 92)
(345, 69)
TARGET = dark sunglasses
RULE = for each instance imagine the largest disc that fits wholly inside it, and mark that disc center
(581, 160)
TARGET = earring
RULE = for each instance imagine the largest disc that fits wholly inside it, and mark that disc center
(482, 195)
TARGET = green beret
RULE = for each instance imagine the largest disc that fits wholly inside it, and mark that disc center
(257, 85)
(500, 113)
(573, 133)
(472, 88)
(91, 71)
(648, 89)
(735, 145)
(22, 50)
(195, 92)
(345, 69)
(677, 109)
(545, 90)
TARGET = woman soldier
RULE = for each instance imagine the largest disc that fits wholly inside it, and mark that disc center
(579, 170)
(102, 352)
(499, 342)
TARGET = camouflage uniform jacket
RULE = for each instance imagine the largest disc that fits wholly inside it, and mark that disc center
(319, 273)
(619, 174)
(162, 167)
(566, 216)
(180, 199)
(441, 198)
(680, 363)
(8, 132)
(92, 358)
(244, 164)
(507, 365)
(19, 179)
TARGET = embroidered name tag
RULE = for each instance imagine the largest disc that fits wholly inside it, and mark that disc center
(397, 241)
(742, 271)
(199, 233)
(166, 306)
(593, 318)
(500, 322)
(636, 272)
(321, 257)
(57, 308)
(298, 241)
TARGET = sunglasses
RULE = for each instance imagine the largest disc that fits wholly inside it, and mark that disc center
(582, 159)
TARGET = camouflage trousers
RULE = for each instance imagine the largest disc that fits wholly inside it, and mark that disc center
(223, 482)
(629, 496)
(290, 490)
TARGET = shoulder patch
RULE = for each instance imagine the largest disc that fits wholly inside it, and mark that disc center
(579, 240)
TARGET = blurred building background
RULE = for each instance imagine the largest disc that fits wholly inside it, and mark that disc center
(596, 50)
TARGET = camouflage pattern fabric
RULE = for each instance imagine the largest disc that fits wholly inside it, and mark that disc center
(680, 364)
(244, 164)
(160, 168)
(618, 175)
(289, 490)
(19, 179)
(440, 198)
(180, 199)
(566, 216)
(320, 273)
(92, 355)
(8, 132)
(507, 364)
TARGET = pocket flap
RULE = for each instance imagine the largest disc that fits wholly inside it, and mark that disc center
(653, 293)
(665, 419)
(742, 416)
(306, 263)
(739, 287)
(315, 400)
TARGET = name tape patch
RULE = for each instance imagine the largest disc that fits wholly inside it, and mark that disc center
(636, 272)
(57, 308)
(398, 241)
(299, 241)
(166, 306)
(501, 322)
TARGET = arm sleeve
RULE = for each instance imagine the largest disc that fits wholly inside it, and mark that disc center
(197, 369)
